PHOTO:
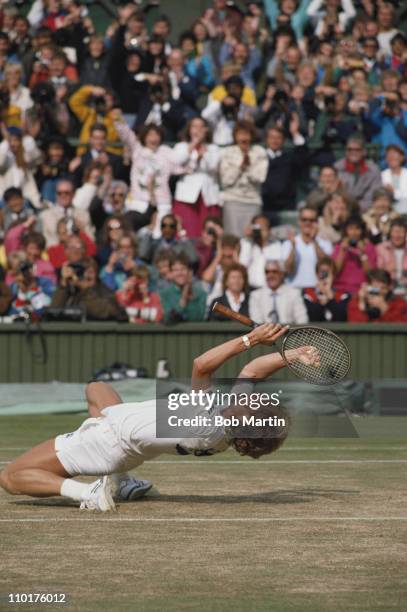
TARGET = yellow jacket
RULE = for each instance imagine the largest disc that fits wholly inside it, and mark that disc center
(248, 97)
(87, 115)
(12, 116)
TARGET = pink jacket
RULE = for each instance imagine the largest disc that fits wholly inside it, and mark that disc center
(386, 259)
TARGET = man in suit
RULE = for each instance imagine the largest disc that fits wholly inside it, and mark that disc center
(277, 302)
(97, 152)
(77, 219)
(279, 190)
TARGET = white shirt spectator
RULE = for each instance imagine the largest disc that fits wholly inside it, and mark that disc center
(305, 261)
(399, 184)
(254, 258)
(284, 305)
(21, 98)
(201, 175)
(317, 12)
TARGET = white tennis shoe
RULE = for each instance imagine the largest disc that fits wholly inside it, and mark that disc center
(131, 489)
(100, 496)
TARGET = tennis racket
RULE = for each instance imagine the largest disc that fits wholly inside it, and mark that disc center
(334, 356)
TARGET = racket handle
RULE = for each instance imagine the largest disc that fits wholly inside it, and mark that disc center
(231, 314)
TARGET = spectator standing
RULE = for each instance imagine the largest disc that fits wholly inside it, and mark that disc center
(197, 189)
(284, 169)
(243, 169)
(151, 168)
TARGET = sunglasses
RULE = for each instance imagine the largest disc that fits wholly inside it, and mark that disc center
(171, 225)
(272, 271)
(308, 220)
(114, 226)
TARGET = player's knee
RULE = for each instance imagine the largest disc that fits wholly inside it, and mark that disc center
(91, 387)
(6, 482)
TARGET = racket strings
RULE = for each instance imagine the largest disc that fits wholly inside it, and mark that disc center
(333, 355)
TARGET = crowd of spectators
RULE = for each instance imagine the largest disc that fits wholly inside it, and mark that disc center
(258, 159)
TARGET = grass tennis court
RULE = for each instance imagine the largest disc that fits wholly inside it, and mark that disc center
(321, 526)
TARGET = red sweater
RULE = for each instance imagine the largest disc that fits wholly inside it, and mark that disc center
(396, 312)
(57, 255)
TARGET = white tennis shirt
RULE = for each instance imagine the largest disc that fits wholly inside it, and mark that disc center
(135, 426)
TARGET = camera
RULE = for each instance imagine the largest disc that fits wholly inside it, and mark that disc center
(99, 104)
(323, 275)
(229, 111)
(390, 107)
(256, 233)
(25, 268)
(43, 93)
(211, 232)
(353, 243)
(373, 290)
(79, 270)
(281, 100)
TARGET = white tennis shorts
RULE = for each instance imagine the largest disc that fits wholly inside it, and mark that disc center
(92, 450)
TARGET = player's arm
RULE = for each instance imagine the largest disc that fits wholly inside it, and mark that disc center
(207, 363)
(265, 366)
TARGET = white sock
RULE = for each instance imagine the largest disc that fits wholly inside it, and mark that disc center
(74, 489)
(120, 477)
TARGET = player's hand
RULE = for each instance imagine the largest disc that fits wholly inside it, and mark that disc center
(308, 355)
(267, 333)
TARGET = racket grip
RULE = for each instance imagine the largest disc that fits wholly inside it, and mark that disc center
(231, 314)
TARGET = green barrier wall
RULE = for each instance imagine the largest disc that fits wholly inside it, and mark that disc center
(76, 350)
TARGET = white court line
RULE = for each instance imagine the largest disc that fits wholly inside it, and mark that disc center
(293, 448)
(279, 462)
(271, 519)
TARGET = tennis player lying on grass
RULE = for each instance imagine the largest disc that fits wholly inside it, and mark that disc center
(121, 436)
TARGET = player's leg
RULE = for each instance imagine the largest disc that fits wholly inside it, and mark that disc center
(100, 395)
(40, 473)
